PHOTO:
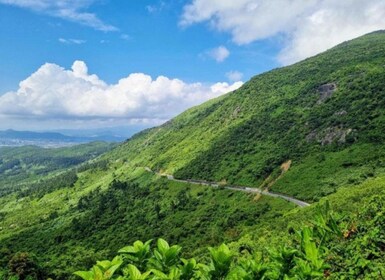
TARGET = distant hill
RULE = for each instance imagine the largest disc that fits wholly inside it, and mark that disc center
(28, 163)
(50, 139)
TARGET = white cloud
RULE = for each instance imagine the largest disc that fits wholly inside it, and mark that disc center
(309, 26)
(222, 88)
(234, 76)
(332, 24)
(219, 54)
(71, 10)
(156, 8)
(55, 93)
(72, 41)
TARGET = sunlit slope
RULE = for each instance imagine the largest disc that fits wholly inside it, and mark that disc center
(312, 112)
(24, 165)
(110, 206)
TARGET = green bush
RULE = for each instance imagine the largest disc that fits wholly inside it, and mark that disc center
(329, 247)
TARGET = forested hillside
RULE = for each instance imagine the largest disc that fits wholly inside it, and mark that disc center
(312, 131)
(326, 113)
(19, 165)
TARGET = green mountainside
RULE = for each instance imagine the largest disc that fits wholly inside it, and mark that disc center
(19, 165)
(316, 113)
(313, 131)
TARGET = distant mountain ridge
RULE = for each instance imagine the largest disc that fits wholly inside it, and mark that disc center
(12, 137)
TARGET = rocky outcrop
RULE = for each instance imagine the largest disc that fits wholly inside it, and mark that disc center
(340, 113)
(236, 112)
(325, 92)
(329, 135)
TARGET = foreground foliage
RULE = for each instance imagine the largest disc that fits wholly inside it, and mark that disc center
(330, 247)
(193, 216)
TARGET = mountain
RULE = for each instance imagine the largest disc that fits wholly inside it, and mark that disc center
(28, 135)
(123, 132)
(50, 139)
(325, 115)
(311, 131)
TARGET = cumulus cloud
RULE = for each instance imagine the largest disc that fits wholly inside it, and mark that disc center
(308, 26)
(331, 24)
(71, 10)
(234, 76)
(219, 54)
(53, 92)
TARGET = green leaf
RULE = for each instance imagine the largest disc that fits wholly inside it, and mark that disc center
(162, 245)
(159, 274)
(128, 250)
(134, 272)
(86, 275)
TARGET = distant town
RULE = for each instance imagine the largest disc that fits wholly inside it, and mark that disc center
(39, 142)
(13, 138)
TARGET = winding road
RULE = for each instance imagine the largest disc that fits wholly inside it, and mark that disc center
(298, 202)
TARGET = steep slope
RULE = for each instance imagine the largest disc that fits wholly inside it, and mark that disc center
(314, 113)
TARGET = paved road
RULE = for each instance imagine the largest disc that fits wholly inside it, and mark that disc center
(298, 202)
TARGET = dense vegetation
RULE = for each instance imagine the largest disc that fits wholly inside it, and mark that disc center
(29, 163)
(311, 130)
(330, 246)
(327, 248)
(193, 216)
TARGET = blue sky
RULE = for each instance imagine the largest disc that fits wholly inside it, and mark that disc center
(149, 40)
(200, 49)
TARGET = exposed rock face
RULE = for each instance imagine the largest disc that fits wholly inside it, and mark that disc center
(326, 91)
(236, 112)
(329, 135)
(340, 113)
